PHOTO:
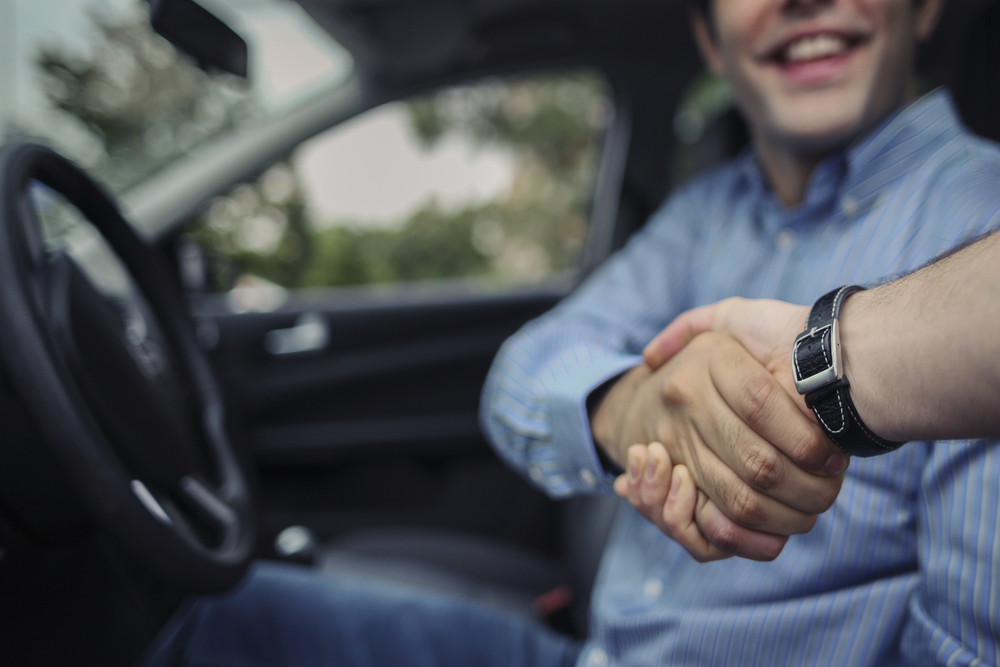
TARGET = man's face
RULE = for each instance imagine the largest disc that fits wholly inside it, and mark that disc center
(811, 75)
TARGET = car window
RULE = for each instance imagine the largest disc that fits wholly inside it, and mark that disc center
(91, 79)
(487, 182)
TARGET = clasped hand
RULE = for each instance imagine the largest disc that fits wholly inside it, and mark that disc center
(735, 462)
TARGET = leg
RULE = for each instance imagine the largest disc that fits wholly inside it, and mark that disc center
(287, 616)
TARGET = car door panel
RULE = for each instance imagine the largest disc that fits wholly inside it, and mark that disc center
(380, 427)
(389, 375)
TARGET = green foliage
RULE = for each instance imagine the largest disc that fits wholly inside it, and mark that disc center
(262, 229)
(430, 246)
(554, 116)
(551, 123)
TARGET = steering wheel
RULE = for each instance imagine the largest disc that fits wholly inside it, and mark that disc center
(97, 347)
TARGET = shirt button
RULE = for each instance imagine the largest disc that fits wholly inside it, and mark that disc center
(849, 206)
(597, 658)
(785, 240)
(535, 474)
(652, 588)
(588, 477)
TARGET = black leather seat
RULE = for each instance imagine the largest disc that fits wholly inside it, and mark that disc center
(495, 573)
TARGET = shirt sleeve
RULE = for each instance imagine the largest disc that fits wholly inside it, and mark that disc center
(533, 407)
(954, 613)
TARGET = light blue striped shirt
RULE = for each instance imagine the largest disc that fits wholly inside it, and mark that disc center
(905, 568)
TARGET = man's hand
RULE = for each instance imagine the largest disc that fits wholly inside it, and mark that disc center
(666, 495)
(717, 412)
(766, 328)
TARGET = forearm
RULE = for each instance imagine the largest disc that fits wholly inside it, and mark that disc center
(533, 412)
(923, 352)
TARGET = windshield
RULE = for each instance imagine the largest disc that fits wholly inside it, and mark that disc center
(91, 79)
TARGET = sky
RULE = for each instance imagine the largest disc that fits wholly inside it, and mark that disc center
(371, 169)
(374, 167)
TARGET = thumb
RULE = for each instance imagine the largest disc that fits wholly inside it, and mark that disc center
(679, 333)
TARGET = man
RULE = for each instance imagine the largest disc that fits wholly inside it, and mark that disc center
(850, 176)
(903, 568)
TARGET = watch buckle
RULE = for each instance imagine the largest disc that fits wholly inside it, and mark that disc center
(828, 375)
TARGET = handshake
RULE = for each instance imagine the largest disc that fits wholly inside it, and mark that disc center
(730, 460)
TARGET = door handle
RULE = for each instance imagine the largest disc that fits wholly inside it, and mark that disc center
(311, 333)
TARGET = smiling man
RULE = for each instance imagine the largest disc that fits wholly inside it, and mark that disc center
(850, 176)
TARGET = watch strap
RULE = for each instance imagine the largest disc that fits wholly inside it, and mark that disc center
(815, 351)
(827, 308)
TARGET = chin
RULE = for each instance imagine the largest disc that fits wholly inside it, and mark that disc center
(818, 130)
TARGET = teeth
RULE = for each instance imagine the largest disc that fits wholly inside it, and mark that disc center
(814, 48)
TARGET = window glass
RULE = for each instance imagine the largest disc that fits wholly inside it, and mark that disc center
(490, 181)
(92, 79)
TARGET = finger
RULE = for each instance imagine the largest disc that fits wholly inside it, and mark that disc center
(655, 483)
(728, 537)
(774, 447)
(733, 495)
(706, 429)
(636, 464)
(679, 518)
(678, 334)
(621, 485)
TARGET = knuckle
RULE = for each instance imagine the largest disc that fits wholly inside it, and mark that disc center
(763, 467)
(809, 448)
(747, 506)
(827, 494)
(675, 391)
(725, 537)
(757, 401)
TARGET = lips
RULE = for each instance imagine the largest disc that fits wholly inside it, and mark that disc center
(814, 46)
(815, 58)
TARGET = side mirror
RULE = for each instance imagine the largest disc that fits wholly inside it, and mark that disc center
(200, 34)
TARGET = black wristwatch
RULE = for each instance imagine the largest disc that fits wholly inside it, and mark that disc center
(819, 374)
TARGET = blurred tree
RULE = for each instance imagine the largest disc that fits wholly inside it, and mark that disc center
(262, 228)
(553, 116)
(551, 123)
(145, 105)
(139, 100)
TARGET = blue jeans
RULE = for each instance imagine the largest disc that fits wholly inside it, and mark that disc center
(288, 616)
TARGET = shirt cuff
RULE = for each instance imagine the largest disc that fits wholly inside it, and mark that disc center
(571, 433)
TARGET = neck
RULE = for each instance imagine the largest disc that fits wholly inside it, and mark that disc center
(788, 172)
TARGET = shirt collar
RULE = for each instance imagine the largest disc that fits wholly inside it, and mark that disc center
(854, 178)
(900, 142)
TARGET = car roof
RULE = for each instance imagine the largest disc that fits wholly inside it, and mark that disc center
(398, 44)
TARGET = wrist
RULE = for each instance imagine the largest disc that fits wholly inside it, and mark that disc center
(608, 409)
(861, 356)
(822, 376)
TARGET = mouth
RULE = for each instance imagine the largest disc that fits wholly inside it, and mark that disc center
(814, 47)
